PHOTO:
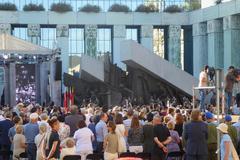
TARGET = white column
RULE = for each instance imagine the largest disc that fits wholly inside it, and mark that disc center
(91, 40)
(63, 44)
(147, 37)
(34, 33)
(215, 43)
(119, 34)
(12, 84)
(5, 29)
(200, 47)
(231, 26)
(174, 45)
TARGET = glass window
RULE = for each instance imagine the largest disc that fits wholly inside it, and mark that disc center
(182, 48)
(104, 42)
(76, 48)
(48, 37)
(158, 41)
(20, 32)
(132, 33)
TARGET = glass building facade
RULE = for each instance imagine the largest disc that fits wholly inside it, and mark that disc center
(48, 37)
(104, 41)
(20, 31)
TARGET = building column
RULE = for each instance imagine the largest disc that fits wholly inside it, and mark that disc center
(200, 49)
(174, 45)
(119, 34)
(91, 40)
(5, 29)
(34, 33)
(215, 43)
(147, 37)
(188, 50)
(231, 26)
(12, 84)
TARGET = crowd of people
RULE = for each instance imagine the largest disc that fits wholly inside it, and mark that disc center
(52, 133)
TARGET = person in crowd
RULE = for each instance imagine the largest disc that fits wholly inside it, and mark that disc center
(64, 129)
(135, 136)
(92, 126)
(84, 137)
(236, 107)
(121, 132)
(101, 131)
(31, 130)
(179, 124)
(111, 143)
(232, 131)
(212, 136)
(128, 121)
(70, 148)
(39, 140)
(5, 143)
(203, 82)
(236, 85)
(148, 134)
(173, 146)
(44, 119)
(162, 137)
(88, 115)
(52, 143)
(226, 142)
(19, 141)
(73, 119)
(171, 113)
(12, 131)
(229, 81)
(195, 134)
(237, 126)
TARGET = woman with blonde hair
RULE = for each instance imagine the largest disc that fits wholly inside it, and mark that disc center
(19, 141)
(173, 145)
(39, 140)
(70, 148)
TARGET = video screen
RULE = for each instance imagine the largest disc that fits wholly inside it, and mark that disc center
(25, 83)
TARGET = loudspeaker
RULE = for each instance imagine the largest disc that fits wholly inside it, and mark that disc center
(58, 73)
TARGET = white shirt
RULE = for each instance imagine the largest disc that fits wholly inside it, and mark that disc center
(203, 75)
(83, 137)
(67, 151)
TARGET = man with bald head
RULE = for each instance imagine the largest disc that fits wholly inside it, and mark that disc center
(73, 119)
(162, 137)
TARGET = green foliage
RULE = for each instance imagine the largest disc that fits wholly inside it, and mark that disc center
(8, 7)
(61, 7)
(119, 8)
(173, 9)
(33, 7)
(90, 8)
(147, 8)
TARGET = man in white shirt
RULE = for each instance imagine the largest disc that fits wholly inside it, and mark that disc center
(203, 82)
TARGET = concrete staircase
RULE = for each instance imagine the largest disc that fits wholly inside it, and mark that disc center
(138, 57)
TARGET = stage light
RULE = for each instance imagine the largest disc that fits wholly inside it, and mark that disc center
(20, 57)
(34, 57)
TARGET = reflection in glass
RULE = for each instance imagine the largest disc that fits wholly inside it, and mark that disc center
(158, 42)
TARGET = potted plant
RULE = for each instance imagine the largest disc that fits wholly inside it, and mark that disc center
(90, 8)
(147, 8)
(173, 9)
(61, 7)
(33, 7)
(8, 7)
(119, 8)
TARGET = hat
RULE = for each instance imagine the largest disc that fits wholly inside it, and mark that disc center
(228, 118)
(209, 115)
(223, 128)
(33, 116)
